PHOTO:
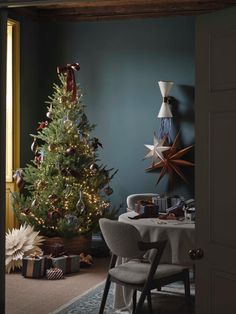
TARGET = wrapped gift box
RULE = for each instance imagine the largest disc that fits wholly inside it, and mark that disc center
(67, 263)
(33, 267)
(162, 202)
(165, 202)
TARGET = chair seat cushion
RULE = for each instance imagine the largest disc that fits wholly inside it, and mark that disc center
(135, 272)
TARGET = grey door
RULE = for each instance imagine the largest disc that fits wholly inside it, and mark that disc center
(216, 162)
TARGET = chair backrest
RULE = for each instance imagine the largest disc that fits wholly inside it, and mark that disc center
(121, 238)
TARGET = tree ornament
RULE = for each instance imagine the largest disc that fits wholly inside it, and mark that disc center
(94, 167)
(54, 214)
(68, 71)
(37, 160)
(108, 190)
(18, 177)
(52, 147)
(80, 206)
(26, 211)
(72, 220)
(95, 143)
(62, 99)
(52, 198)
(40, 185)
(34, 146)
(42, 125)
(41, 153)
(70, 151)
(20, 243)
(67, 123)
(49, 114)
(34, 203)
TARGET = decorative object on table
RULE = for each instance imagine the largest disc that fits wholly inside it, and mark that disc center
(162, 201)
(165, 113)
(67, 263)
(175, 212)
(85, 260)
(190, 209)
(33, 266)
(54, 274)
(172, 162)
(20, 243)
(65, 187)
(146, 209)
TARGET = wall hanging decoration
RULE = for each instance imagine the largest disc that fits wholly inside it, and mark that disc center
(165, 114)
(157, 149)
(172, 161)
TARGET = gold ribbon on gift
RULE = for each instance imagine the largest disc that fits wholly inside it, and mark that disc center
(30, 267)
(31, 263)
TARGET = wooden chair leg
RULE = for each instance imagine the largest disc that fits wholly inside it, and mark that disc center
(134, 301)
(105, 293)
(149, 299)
(141, 300)
(187, 286)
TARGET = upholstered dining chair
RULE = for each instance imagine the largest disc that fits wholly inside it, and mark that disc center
(137, 273)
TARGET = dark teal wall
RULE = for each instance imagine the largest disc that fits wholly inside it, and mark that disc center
(29, 91)
(121, 63)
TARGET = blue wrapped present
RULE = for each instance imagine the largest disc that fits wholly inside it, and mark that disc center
(67, 263)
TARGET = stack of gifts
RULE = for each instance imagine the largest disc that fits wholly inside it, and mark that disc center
(55, 265)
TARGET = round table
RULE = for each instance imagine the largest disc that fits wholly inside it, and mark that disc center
(180, 236)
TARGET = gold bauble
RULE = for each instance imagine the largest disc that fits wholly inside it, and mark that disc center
(52, 147)
(68, 124)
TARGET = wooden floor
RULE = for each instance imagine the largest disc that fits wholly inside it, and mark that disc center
(41, 296)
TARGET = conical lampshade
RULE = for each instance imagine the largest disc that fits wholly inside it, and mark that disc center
(165, 88)
(165, 111)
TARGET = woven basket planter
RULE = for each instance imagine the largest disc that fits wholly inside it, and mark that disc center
(75, 245)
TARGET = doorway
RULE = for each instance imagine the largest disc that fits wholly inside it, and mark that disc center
(12, 114)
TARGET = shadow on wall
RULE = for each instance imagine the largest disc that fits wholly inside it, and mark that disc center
(186, 115)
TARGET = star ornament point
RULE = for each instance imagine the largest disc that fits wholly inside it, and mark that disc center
(172, 162)
(157, 149)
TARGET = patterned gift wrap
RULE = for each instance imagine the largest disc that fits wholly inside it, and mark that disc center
(54, 274)
(33, 267)
(68, 264)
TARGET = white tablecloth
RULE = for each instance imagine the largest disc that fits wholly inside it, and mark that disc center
(180, 236)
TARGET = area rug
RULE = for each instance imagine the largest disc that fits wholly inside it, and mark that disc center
(170, 300)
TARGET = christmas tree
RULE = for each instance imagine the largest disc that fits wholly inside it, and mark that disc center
(63, 190)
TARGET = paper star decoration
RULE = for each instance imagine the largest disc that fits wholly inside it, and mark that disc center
(157, 149)
(171, 162)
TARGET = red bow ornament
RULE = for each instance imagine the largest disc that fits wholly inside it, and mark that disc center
(68, 70)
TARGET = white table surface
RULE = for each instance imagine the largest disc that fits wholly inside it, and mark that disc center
(179, 234)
